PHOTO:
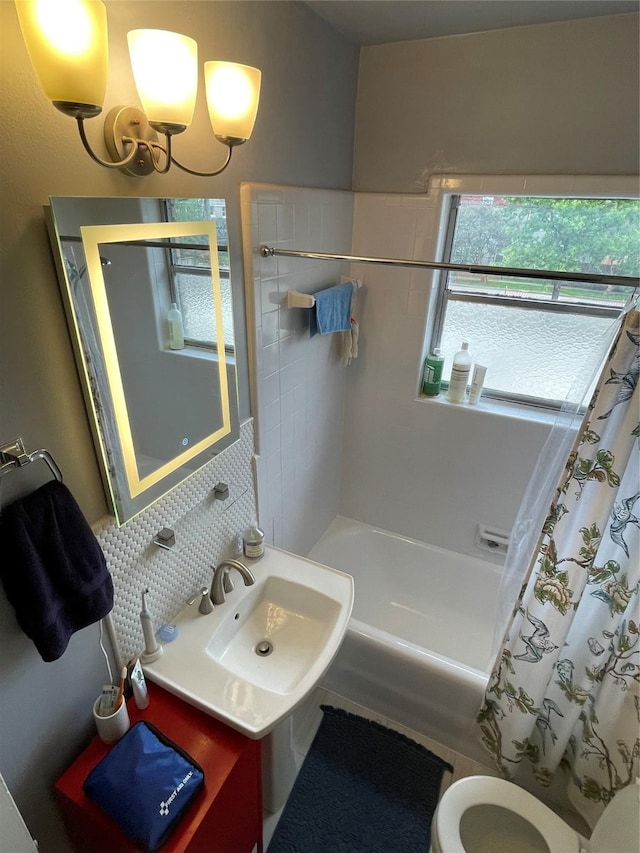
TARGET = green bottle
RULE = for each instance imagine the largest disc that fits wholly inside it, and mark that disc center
(432, 374)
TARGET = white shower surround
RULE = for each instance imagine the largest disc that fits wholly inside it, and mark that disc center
(297, 382)
(418, 648)
(357, 441)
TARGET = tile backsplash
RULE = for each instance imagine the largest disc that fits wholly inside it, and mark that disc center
(206, 530)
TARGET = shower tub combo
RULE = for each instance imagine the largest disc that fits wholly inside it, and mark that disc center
(418, 647)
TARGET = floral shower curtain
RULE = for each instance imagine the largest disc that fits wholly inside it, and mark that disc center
(564, 690)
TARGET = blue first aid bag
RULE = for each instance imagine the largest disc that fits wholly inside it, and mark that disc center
(145, 784)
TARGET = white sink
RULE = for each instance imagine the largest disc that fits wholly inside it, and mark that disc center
(252, 660)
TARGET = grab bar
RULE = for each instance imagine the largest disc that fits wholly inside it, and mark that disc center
(14, 455)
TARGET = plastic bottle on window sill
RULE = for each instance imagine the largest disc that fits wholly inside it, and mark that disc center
(459, 375)
(176, 329)
(477, 383)
(432, 373)
(253, 542)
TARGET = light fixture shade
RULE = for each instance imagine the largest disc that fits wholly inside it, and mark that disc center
(233, 94)
(165, 68)
(67, 42)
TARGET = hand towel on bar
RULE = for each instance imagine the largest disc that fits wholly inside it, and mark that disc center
(349, 349)
(350, 343)
(53, 569)
(332, 312)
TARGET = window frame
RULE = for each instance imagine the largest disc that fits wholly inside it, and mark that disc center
(444, 295)
(175, 268)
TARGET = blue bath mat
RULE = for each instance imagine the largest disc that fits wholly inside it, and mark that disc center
(362, 789)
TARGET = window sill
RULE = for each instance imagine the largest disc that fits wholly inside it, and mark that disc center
(497, 408)
(200, 353)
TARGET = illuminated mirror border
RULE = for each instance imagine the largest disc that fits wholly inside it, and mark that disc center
(92, 237)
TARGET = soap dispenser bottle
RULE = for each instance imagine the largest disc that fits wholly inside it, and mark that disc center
(432, 374)
(459, 375)
(253, 542)
(176, 329)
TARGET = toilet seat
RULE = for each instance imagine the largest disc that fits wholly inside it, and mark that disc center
(486, 790)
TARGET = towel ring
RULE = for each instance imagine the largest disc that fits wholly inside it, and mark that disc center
(14, 455)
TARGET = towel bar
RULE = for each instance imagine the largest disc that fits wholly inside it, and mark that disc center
(295, 299)
(300, 300)
(14, 455)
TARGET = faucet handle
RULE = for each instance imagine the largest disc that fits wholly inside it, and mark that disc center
(227, 583)
(206, 605)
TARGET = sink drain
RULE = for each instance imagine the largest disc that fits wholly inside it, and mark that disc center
(263, 648)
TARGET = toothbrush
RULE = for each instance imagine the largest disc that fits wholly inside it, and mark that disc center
(150, 644)
(120, 696)
(152, 649)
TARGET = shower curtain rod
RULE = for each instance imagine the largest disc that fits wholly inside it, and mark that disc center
(513, 272)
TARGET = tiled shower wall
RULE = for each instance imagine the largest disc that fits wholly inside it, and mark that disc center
(206, 529)
(298, 382)
(422, 468)
(358, 441)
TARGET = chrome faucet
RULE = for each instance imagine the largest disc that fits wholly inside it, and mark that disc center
(222, 583)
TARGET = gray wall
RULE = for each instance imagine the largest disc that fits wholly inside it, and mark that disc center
(548, 99)
(304, 135)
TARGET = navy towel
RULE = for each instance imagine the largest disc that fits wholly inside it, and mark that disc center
(332, 312)
(53, 570)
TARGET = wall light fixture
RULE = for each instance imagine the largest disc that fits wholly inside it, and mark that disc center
(67, 42)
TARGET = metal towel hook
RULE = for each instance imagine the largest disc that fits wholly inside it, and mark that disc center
(14, 455)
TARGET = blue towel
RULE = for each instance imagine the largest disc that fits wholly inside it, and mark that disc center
(332, 312)
(53, 570)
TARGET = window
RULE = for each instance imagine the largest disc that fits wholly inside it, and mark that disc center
(534, 335)
(191, 274)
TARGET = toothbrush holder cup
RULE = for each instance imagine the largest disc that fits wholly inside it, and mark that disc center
(112, 727)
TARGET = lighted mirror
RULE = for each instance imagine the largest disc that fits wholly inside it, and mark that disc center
(147, 289)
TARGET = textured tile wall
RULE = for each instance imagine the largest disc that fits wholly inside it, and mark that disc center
(206, 531)
(358, 441)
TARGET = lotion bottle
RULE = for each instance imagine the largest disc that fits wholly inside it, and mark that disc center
(432, 374)
(459, 375)
(176, 329)
(477, 383)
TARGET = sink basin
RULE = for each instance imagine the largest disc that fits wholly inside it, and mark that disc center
(275, 635)
(252, 660)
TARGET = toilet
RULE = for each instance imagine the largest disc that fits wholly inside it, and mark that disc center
(480, 814)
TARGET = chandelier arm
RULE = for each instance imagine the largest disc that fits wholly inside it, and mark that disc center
(98, 160)
(205, 174)
(153, 148)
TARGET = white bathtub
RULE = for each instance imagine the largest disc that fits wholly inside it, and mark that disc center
(418, 647)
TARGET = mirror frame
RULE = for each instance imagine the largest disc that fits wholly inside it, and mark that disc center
(93, 337)
(92, 237)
